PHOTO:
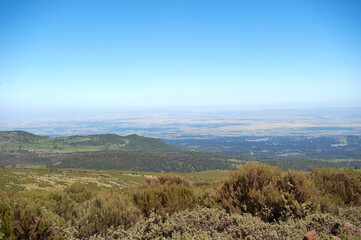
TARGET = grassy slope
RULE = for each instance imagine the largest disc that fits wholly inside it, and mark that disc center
(15, 179)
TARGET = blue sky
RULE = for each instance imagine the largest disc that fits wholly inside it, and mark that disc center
(108, 54)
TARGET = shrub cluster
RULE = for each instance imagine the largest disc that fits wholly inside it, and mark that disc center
(26, 220)
(105, 211)
(267, 192)
(204, 223)
(74, 212)
(165, 194)
(339, 186)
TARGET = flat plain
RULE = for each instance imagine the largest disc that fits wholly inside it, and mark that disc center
(197, 125)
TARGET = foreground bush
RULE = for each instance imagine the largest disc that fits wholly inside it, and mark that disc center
(6, 217)
(203, 223)
(27, 220)
(339, 186)
(267, 192)
(243, 206)
(111, 209)
(352, 215)
(165, 194)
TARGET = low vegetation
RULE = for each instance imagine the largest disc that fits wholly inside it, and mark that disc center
(147, 161)
(267, 192)
(165, 194)
(255, 202)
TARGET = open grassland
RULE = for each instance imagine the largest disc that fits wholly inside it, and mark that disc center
(206, 176)
(13, 179)
(25, 179)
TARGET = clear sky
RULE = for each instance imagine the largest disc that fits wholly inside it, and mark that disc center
(117, 54)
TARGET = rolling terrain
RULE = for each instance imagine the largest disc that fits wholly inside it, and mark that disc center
(105, 151)
(112, 187)
(137, 153)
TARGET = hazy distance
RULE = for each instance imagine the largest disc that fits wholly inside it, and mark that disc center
(201, 124)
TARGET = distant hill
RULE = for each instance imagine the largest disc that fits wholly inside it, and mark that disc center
(147, 161)
(24, 142)
(104, 151)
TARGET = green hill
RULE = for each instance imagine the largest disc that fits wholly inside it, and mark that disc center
(104, 151)
(24, 142)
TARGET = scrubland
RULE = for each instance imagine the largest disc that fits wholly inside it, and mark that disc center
(256, 201)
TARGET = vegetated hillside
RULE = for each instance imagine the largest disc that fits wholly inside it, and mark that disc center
(256, 201)
(23, 149)
(147, 161)
(24, 142)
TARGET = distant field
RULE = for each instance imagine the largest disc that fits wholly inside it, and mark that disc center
(26, 179)
(279, 147)
(201, 125)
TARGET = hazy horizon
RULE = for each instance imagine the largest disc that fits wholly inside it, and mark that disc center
(197, 124)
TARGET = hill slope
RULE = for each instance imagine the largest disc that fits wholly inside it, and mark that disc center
(22, 142)
(147, 161)
(104, 151)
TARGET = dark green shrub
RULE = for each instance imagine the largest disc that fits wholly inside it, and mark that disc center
(267, 192)
(109, 209)
(341, 186)
(6, 217)
(330, 204)
(165, 194)
(29, 222)
(63, 205)
(79, 192)
(300, 193)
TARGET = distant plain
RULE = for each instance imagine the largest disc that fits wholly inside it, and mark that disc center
(197, 125)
